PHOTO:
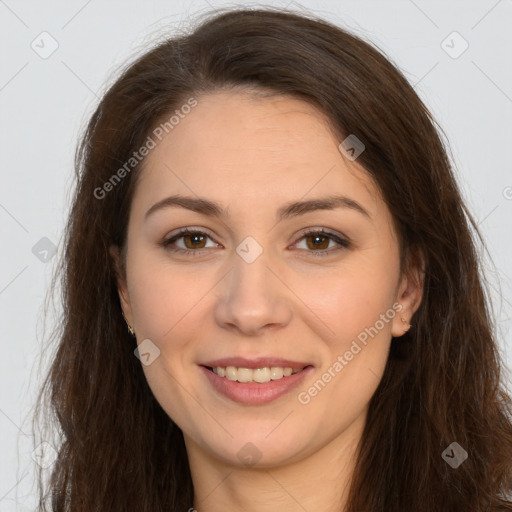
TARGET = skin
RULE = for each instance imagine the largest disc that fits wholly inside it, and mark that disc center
(253, 155)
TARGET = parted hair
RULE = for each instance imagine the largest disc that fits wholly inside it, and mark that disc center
(117, 449)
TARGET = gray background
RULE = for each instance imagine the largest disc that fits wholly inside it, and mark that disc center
(45, 100)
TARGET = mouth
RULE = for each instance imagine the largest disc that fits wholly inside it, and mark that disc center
(259, 375)
(255, 382)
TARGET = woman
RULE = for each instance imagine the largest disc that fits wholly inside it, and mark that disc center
(268, 205)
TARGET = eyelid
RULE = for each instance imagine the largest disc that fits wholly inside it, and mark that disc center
(180, 233)
(342, 240)
(189, 229)
(319, 229)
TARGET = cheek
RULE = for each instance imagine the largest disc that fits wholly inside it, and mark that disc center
(161, 295)
(355, 354)
(363, 316)
(165, 304)
(356, 351)
(352, 298)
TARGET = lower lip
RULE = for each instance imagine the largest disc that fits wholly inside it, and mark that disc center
(254, 393)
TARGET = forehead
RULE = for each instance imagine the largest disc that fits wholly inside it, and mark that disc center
(255, 151)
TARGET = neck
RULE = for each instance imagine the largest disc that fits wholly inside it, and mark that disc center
(318, 481)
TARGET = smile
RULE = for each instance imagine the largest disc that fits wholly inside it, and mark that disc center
(257, 385)
(261, 375)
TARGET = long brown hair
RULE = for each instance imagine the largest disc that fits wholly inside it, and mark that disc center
(117, 449)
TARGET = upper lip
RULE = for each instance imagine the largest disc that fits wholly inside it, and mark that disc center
(259, 362)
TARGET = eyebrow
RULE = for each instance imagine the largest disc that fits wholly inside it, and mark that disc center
(289, 210)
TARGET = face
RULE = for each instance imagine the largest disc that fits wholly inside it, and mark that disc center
(258, 286)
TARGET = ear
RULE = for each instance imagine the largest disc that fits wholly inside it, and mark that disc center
(409, 293)
(122, 288)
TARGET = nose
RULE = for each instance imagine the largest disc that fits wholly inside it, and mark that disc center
(252, 298)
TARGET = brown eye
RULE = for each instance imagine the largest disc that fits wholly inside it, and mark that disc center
(188, 241)
(194, 241)
(318, 241)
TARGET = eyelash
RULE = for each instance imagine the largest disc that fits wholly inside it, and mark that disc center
(344, 243)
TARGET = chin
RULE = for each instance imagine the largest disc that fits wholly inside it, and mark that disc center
(257, 449)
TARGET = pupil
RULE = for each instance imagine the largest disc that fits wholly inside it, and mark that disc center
(316, 239)
(195, 238)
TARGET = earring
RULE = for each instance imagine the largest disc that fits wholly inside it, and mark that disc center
(405, 321)
(130, 328)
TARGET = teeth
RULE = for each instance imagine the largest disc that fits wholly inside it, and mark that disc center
(260, 375)
(276, 373)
